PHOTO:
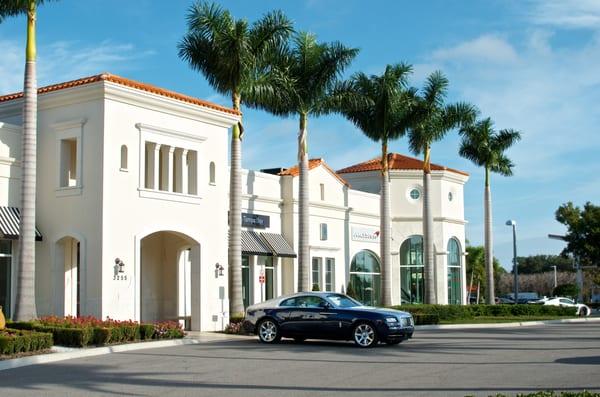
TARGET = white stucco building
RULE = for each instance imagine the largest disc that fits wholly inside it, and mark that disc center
(132, 201)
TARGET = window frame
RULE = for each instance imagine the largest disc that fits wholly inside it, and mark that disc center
(69, 130)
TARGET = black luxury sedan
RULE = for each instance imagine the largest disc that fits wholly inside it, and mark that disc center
(326, 315)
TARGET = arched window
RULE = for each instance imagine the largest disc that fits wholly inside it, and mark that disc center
(412, 284)
(212, 173)
(123, 157)
(454, 255)
(365, 277)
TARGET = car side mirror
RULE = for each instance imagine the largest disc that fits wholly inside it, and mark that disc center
(326, 305)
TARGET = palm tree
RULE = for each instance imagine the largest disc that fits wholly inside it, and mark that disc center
(235, 58)
(312, 72)
(384, 117)
(433, 119)
(485, 147)
(25, 308)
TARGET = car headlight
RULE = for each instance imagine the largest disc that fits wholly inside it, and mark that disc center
(391, 320)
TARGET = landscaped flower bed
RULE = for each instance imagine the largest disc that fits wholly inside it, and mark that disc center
(84, 331)
(14, 341)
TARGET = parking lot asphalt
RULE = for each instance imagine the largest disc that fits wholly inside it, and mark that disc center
(477, 362)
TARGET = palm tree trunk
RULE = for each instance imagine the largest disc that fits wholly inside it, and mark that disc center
(25, 308)
(303, 235)
(430, 288)
(385, 232)
(236, 303)
(489, 253)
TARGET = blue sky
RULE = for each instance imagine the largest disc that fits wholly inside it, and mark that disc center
(531, 65)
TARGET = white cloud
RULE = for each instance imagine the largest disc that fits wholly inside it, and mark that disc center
(486, 48)
(573, 14)
(65, 60)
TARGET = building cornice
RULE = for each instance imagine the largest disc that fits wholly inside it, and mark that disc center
(169, 132)
(262, 199)
(435, 219)
(131, 96)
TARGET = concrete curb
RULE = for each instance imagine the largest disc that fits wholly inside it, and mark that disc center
(60, 353)
(507, 325)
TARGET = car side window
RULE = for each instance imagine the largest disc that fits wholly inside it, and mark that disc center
(289, 302)
(314, 302)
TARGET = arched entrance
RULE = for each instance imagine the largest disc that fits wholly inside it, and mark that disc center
(169, 278)
(365, 277)
(68, 263)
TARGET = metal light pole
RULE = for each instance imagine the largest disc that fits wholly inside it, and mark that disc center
(555, 279)
(515, 265)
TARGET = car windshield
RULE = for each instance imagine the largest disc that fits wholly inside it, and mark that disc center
(342, 301)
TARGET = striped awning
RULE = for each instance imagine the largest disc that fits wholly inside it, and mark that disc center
(279, 245)
(9, 224)
(253, 244)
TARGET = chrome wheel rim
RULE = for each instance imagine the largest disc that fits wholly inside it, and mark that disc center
(364, 335)
(268, 331)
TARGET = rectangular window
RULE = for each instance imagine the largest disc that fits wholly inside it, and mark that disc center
(322, 191)
(68, 162)
(5, 276)
(192, 159)
(323, 231)
(329, 274)
(316, 273)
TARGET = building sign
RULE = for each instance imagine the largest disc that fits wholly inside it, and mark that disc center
(367, 234)
(254, 220)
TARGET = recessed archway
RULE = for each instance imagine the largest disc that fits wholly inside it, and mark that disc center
(169, 278)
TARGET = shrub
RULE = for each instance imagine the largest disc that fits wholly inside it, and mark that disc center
(101, 336)
(14, 341)
(426, 319)
(315, 287)
(146, 331)
(570, 290)
(235, 328)
(168, 330)
(460, 312)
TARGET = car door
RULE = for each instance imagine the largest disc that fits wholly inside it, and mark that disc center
(308, 317)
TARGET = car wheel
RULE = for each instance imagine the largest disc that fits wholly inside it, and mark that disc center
(299, 339)
(268, 331)
(365, 335)
(583, 312)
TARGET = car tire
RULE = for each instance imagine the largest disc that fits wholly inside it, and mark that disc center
(364, 335)
(583, 312)
(268, 331)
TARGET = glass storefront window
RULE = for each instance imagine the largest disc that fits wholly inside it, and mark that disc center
(365, 277)
(246, 281)
(316, 273)
(5, 276)
(454, 290)
(329, 272)
(412, 283)
(269, 278)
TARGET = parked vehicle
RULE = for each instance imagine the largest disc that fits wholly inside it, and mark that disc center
(524, 297)
(327, 315)
(503, 300)
(582, 310)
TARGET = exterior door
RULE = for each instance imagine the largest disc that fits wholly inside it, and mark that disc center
(5, 276)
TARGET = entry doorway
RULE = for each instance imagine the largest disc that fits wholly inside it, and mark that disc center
(68, 250)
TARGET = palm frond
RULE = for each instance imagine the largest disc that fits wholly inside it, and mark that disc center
(11, 8)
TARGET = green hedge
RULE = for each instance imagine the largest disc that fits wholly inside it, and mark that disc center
(433, 314)
(549, 393)
(23, 341)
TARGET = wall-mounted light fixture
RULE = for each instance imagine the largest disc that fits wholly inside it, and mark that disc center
(219, 269)
(121, 265)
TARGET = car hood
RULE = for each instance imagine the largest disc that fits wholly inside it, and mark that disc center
(384, 311)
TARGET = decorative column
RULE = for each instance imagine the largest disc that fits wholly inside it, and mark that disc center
(155, 163)
(184, 171)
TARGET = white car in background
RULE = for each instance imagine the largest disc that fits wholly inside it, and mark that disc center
(582, 310)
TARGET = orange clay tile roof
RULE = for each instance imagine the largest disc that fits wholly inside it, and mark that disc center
(396, 162)
(125, 82)
(313, 163)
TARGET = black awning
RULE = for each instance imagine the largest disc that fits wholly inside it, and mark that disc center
(253, 244)
(279, 245)
(10, 218)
